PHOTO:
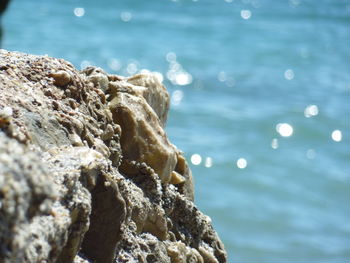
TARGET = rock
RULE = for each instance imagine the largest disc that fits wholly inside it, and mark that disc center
(143, 139)
(154, 93)
(87, 173)
(61, 78)
(141, 113)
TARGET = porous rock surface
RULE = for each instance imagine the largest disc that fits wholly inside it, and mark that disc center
(87, 173)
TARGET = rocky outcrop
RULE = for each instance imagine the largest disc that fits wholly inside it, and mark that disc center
(87, 173)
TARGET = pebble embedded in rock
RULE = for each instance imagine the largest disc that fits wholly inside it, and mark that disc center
(61, 78)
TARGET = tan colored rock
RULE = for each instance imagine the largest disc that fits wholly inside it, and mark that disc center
(176, 178)
(154, 92)
(179, 253)
(98, 77)
(185, 180)
(61, 77)
(143, 138)
(140, 104)
(87, 173)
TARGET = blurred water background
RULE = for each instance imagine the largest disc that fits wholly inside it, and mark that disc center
(260, 105)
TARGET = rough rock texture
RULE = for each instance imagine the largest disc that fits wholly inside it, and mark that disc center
(87, 173)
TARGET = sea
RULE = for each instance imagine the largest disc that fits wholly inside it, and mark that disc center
(260, 105)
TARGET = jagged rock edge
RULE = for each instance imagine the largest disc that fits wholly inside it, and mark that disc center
(152, 219)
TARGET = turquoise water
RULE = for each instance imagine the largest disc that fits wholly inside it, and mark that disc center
(235, 69)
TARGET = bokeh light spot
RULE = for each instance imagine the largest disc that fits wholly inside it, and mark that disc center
(196, 159)
(242, 163)
(222, 76)
(289, 74)
(79, 11)
(176, 97)
(246, 14)
(208, 162)
(274, 143)
(337, 135)
(114, 64)
(126, 16)
(183, 78)
(284, 129)
(84, 64)
(171, 57)
(132, 68)
(310, 111)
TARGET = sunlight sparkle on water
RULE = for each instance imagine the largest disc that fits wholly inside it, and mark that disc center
(170, 57)
(176, 97)
(222, 76)
(132, 68)
(208, 162)
(174, 66)
(274, 143)
(337, 135)
(310, 111)
(196, 159)
(79, 11)
(114, 64)
(294, 3)
(84, 64)
(311, 154)
(289, 74)
(126, 16)
(176, 74)
(284, 129)
(183, 78)
(242, 163)
(246, 14)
